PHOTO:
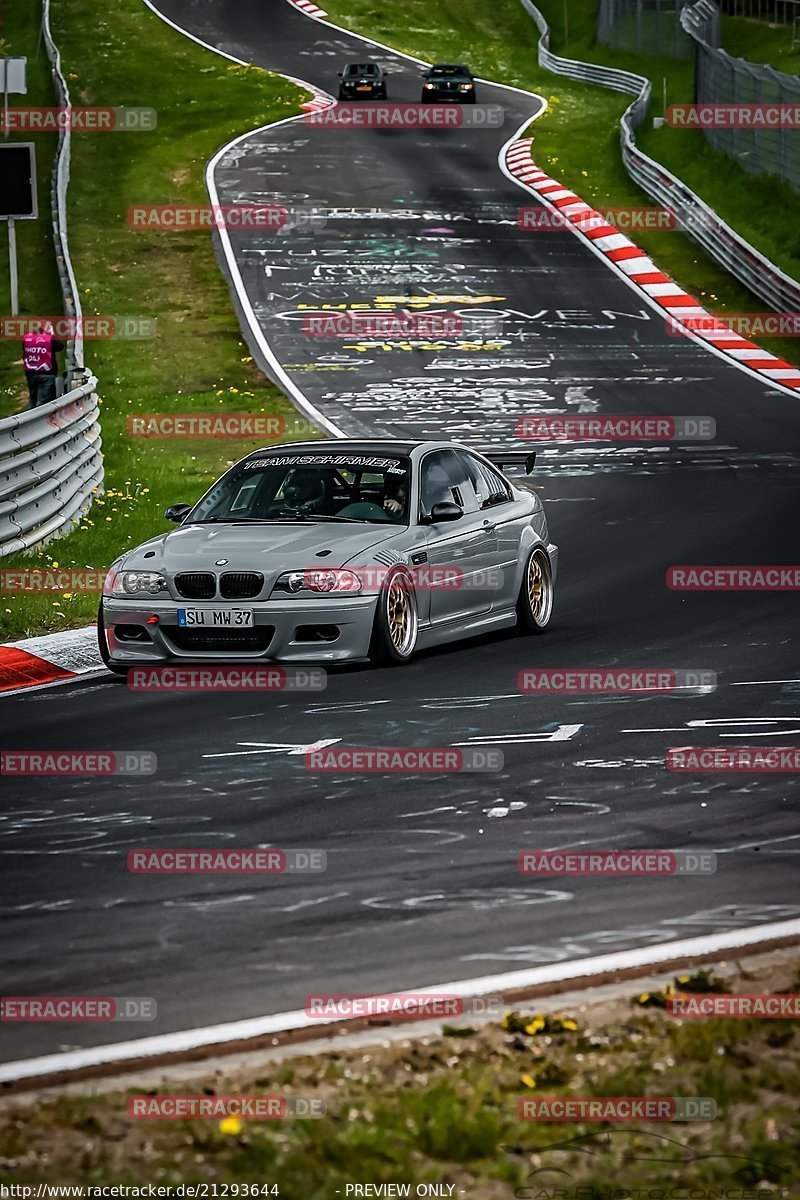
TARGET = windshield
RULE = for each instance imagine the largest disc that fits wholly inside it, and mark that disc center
(301, 487)
(450, 71)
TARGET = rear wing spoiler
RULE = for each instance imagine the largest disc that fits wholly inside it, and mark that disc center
(512, 458)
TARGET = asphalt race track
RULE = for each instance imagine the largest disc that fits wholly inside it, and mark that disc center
(422, 884)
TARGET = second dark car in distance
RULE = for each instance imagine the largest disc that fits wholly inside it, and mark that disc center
(448, 81)
(362, 81)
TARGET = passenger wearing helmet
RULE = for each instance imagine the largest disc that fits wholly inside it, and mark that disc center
(304, 491)
(436, 487)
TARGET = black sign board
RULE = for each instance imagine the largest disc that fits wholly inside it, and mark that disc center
(17, 180)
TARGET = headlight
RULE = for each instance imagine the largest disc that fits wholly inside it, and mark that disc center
(329, 580)
(465, 87)
(429, 87)
(134, 583)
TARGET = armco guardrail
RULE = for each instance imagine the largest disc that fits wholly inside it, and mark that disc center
(717, 238)
(51, 463)
(50, 466)
(58, 197)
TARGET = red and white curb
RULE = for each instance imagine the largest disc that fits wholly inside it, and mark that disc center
(710, 947)
(49, 659)
(626, 256)
(321, 100)
(311, 10)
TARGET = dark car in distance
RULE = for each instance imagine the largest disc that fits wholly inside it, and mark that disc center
(362, 81)
(448, 81)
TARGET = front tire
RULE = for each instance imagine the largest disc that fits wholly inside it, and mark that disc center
(396, 625)
(535, 601)
(102, 645)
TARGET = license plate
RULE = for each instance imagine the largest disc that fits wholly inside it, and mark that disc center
(364, 89)
(216, 618)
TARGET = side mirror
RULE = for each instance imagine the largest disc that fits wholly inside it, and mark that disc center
(177, 512)
(447, 510)
(340, 73)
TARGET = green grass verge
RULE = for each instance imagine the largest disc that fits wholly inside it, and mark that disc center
(444, 1110)
(39, 288)
(198, 361)
(578, 137)
(760, 42)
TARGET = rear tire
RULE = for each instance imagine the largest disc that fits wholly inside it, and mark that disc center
(396, 625)
(102, 645)
(535, 601)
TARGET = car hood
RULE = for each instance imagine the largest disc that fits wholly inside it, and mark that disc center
(270, 549)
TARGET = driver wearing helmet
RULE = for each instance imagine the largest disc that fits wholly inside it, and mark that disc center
(396, 495)
(304, 491)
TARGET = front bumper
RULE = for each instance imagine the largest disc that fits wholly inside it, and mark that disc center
(448, 97)
(280, 631)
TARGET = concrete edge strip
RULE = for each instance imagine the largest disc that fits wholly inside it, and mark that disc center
(238, 1036)
(653, 285)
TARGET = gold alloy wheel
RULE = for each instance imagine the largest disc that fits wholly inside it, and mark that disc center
(401, 615)
(540, 593)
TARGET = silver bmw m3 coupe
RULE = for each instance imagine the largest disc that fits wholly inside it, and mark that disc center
(322, 552)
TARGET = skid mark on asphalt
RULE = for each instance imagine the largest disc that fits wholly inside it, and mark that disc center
(482, 899)
(585, 945)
